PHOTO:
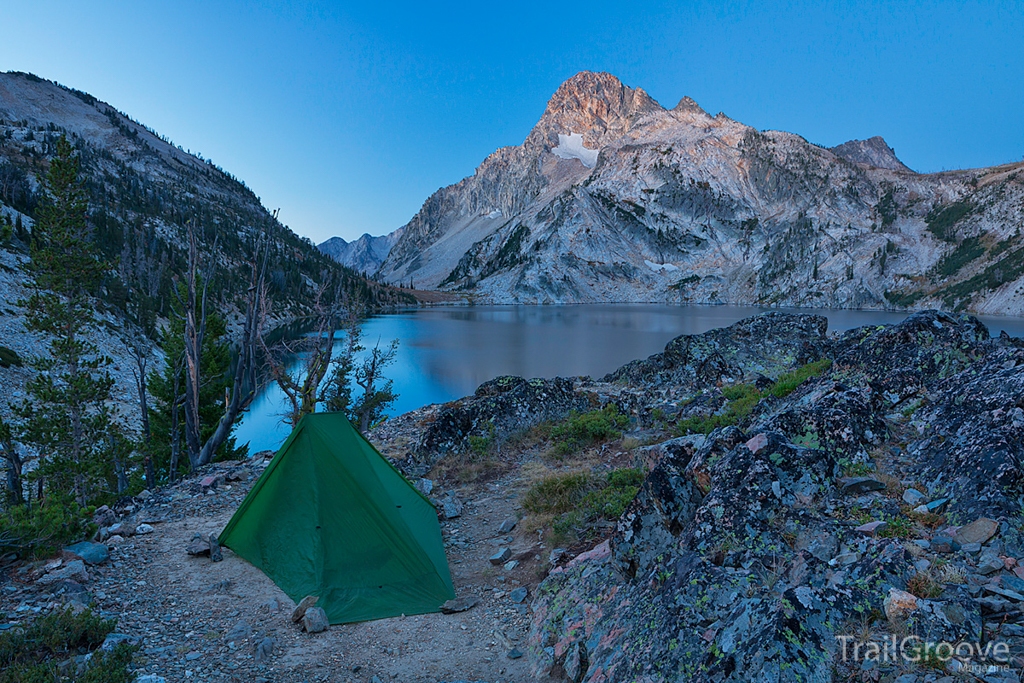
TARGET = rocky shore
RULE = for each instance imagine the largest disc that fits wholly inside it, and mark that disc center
(814, 507)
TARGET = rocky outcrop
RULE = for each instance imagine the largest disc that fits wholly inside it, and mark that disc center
(871, 152)
(612, 197)
(751, 553)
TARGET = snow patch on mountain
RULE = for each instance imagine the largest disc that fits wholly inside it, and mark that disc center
(571, 147)
(661, 267)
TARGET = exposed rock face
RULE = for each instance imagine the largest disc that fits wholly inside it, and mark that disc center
(612, 197)
(364, 254)
(872, 152)
(740, 558)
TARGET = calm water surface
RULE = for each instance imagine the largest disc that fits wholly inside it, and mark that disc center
(445, 353)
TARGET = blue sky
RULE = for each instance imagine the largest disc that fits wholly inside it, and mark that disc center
(347, 116)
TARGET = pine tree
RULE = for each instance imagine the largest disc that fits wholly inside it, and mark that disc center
(66, 419)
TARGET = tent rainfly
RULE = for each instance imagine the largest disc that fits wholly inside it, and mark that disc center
(331, 517)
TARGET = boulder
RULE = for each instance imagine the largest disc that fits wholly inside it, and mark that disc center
(315, 620)
(978, 531)
(73, 571)
(91, 553)
(508, 525)
(899, 604)
(304, 604)
(913, 497)
(501, 557)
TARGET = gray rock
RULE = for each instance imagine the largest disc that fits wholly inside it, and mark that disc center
(304, 605)
(857, 485)
(501, 557)
(511, 564)
(240, 631)
(913, 497)
(424, 486)
(72, 571)
(872, 528)
(971, 548)
(215, 552)
(264, 649)
(315, 620)
(452, 507)
(507, 526)
(144, 529)
(114, 639)
(989, 563)
(514, 653)
(519, 594)
(978, 531)
(150, 678)
(460, 604)
(91, 553)
(576, 663)
(944, 544)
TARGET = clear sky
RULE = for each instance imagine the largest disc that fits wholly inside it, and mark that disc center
(348, 115)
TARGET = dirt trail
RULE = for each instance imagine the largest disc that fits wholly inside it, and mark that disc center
(183, 606)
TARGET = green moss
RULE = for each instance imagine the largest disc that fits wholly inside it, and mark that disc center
(579, 499)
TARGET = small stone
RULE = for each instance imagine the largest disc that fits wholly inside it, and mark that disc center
(115, 540)
(978, 531)
(844, 559)
(143, 529)
(452, 507)
(937, 506)
(921, 543)
(144, 494)
(913, 497)
(304, 604)
(264, 649)
(501, 557)
(208, 482)
(518, 594)
(198, 547)
(899, 604)
(757, 443)
(514, 654)
(193, 656)
(872, 528)
(91, 553)
(315, 620)
(150, 678)
(74, 571)
(857, 485)
(971, 548)
(944, 544)
(511, 564)
(459, 604)
(114, 639)
(989, 563)
(240, 631)
(922, 565)
(215, 553)
(508, 525)
(272, 606)
(424, 486)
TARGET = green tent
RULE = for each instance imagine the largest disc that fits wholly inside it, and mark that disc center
(331, 517)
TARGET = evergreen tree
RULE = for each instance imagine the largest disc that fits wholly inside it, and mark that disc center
(168, 387)
(66, 419)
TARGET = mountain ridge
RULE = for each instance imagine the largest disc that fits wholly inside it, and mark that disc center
(677, 205)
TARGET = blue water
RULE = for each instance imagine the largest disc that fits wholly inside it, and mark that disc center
(445, 353)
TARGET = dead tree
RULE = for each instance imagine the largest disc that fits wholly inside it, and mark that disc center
(140, 347)
(15, 465)
(302, 388)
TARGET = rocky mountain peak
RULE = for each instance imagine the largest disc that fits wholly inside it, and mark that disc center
(594, 105)
(874, 152)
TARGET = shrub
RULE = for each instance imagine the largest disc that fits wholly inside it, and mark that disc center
(9, 357)
(743, 398)
(30, 654)
(41, 529)
(580, 430)
(923, 586)
(577, 500)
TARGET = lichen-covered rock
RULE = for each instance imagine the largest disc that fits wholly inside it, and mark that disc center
(740, 560)
(498, 408)
(766, 344)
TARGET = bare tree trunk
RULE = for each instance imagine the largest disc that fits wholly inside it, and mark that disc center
(139, 349)
(15, 494)
(244, 385)
(176, 400)
(194, 309)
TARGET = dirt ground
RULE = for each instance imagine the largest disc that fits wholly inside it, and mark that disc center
(182, 606)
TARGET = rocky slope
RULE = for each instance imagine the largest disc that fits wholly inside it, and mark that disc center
(612, 197)
(363, 255)
(879, 498)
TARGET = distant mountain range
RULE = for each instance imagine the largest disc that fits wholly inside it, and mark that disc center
(613, 197)
(365, 254)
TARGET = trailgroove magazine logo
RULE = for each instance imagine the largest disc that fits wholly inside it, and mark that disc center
(991, 656)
